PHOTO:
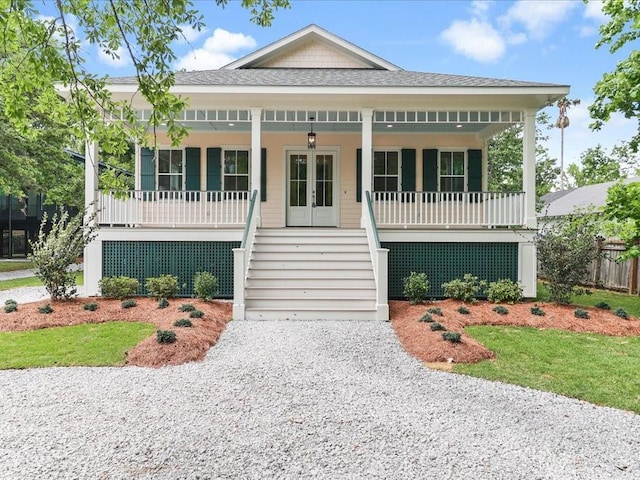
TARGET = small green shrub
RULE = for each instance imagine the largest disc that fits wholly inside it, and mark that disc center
(603, 306)
(163, 303)
(164, 286)
(501, 310)
(10, 306)
(166, 336)
(464, 289)
(205, 285)
(186, 307)
(183, 322)
(416, 287)
(463, 310)
(196, 314)
(453, 337)
(504, 290)
(580, 313)
(10, 302)
(118, 287)
(128, 303)
(92, 307)
(45, 309)
(621, 312)
(426, 318)
(435, 326)
(435, 311)
(538, 311)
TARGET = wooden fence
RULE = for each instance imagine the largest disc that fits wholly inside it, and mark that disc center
(606, 272)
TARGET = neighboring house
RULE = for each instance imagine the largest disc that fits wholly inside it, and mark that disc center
(395, 182)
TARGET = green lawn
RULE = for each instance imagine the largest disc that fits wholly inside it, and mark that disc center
(17, 265)
(596, 368)
(32, 282)
(100, 344)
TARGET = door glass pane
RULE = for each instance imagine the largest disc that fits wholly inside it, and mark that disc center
(320, 192)
(302, 194)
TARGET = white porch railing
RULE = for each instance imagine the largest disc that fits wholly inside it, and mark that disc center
(485, 209)
(172, 208)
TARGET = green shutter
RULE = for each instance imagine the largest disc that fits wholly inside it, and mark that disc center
(263, 175)
(148, 170)
(214, 168)
(430, 170)
(408, 170)
(359, 175)
(474, 171)
(192, 165)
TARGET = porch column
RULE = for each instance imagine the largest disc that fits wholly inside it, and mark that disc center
(529, 168)
(256, 154)
(92, 262)
(367, 148)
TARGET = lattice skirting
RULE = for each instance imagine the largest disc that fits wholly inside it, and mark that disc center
(443, 262)
(145, 259)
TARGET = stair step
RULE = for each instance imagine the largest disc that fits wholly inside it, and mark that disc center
(329, 293)
(309, 314)
(311, 256)
(321, 303)
(266, 271)
(366, 281)
(311, 247)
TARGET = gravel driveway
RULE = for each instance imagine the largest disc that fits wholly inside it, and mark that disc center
(302, 400)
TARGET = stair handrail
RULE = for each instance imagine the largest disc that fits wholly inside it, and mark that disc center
(241, 259)
(380, 261)
(251, 224)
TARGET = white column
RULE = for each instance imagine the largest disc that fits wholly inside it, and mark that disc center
(529, 168)
(92, 252)
(256, 153)
(367, 149)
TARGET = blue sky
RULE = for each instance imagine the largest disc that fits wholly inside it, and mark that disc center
(535, 40)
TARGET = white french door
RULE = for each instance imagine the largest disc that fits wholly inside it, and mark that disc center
(311, 189)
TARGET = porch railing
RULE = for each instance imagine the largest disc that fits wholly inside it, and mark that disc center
(173, 208)
(486, 209)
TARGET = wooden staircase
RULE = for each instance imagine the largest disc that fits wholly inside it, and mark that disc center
(310, 274)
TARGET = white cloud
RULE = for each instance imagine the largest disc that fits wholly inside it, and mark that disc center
(120, 60)
(475, 39)
(479, 8)
(593, 10)
(216, 51)
(190, 34)
(538, 18)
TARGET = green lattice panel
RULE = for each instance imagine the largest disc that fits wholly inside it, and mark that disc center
(443, 262)
(142, 260)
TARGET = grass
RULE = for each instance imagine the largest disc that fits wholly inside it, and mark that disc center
(596, 368)
(32, 282)
(13, 266)
(631, 303)
(92, 344)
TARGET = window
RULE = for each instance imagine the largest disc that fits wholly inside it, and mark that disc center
(386, 171)
(452, 171)
(236, 170)
(170, 165)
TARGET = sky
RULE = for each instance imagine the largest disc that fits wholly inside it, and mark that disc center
(549, 41)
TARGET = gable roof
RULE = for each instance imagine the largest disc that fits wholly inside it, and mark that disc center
(566, 202)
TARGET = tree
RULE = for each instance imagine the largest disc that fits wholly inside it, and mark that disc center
(623, 208)
(618, 91)
(505, 159)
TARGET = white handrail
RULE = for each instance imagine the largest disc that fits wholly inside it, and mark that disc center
(379, 260)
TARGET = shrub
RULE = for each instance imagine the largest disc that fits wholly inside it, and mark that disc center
(464, 289)
(163, 303)
(580, 313)
(435, 326)
(166, 336)
(603, 306)
(463, 310)
(92, 307)
(10, 306)
(500, 309)
(59, 242)
(196, 314)
(416, 287)
(205, 285)
(45, 309)
(538, 311)
(426, 318)
(621, 312)
(183, 322)
(504, 290)
(453, 337)
(164, 286)
(118, 287)
(128, 303)
(435, 311)
(186, 307)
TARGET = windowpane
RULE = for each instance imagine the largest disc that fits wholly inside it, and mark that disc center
(392, 165)
(243, 183)
(379, 184)
(243, 163)
(392, 184)
(236, 170)
(378, 165)
(164, 161)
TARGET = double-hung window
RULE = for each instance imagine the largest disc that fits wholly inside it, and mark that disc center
(236, 170)
(170, 169)
(452, 171)
(386, 171)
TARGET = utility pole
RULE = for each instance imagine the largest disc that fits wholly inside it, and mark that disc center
(562, 123)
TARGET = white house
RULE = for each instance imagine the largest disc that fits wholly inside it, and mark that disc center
(316, 176)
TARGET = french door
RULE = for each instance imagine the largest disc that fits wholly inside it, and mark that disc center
(311, 189)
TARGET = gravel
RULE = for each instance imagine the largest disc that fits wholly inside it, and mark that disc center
(302, 400)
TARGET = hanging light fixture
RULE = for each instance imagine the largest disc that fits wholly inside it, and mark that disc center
(311, 137)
